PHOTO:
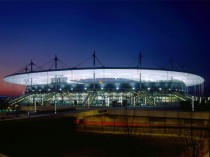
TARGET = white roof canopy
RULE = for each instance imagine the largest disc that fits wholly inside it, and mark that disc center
(75, 75)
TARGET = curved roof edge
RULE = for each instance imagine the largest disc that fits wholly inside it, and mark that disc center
(88, 68)
(148, 74)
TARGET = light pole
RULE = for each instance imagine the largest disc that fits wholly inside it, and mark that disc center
(28, 110)
(57, 80)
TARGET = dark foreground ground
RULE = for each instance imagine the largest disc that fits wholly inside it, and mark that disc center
(56, 136)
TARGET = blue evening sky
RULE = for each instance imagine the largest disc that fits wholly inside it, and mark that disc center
(116, 30)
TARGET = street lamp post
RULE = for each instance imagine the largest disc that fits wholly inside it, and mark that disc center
(57, 80)
(28, 110)
(55, 107)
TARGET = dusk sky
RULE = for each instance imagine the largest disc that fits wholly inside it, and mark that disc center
(116, 30)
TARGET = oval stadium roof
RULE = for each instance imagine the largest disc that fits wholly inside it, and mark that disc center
(77, 74)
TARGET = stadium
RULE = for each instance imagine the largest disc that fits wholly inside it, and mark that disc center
(104, 86)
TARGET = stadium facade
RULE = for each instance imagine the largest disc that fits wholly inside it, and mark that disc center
(104, 86)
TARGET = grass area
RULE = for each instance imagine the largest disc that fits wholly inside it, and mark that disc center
(56, 136)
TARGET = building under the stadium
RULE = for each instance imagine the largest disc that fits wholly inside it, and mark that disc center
(104, 86)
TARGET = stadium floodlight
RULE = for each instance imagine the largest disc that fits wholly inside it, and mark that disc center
(128, 74)
(80, 81)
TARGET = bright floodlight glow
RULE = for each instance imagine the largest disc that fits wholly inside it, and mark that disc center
(73, 76)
